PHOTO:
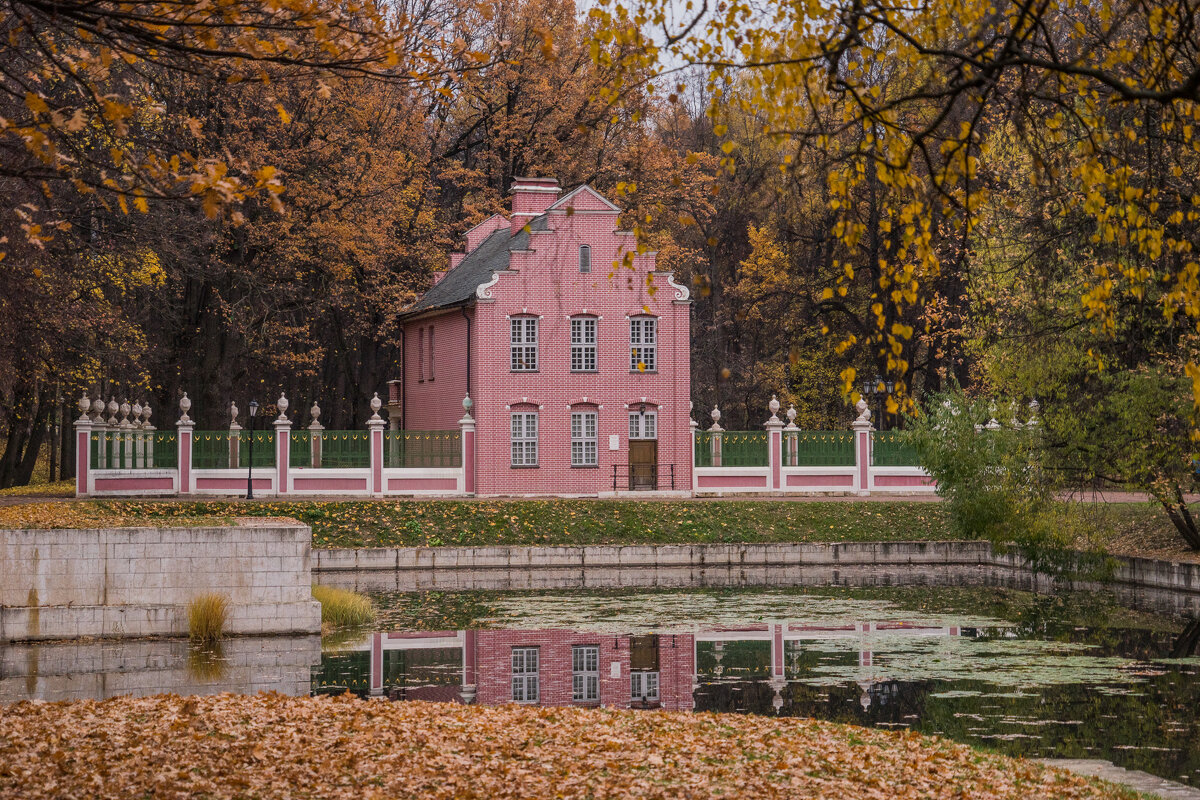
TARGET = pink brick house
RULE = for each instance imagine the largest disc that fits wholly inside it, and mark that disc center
(578, 366)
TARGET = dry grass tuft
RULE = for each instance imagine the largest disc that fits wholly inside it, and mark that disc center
(207, 615)
(343, 608)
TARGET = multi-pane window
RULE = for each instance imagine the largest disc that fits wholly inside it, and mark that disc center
(643, 425)
(524, 439)
(643, 344)
(643, 686)
(583, 345)
(420, 354)
(585, 258)
(585, 673)
(524, 344)
(525, 674)
(583, 438)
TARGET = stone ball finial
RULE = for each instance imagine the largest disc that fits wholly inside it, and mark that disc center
(791, 414)
(715, 414)
(146, 414)
(136, 412)
(376, 404)
(185, 405)
(282, 405)
(85, 404)
(864, 411)
(113, 408)
(468, 403)
(124, 409)
(774, 406)
(97, 409)
(315, 411)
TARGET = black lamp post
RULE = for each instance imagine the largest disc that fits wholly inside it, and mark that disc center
(250, 458)
(878, 390)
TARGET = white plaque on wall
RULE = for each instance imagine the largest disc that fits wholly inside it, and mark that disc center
(614, 442)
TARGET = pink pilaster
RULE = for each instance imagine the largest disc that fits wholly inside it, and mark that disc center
(467, 426)
(283, 452)
(376, 426)
(183, 430)
(775, 450)
(83, 461)
(862, 456)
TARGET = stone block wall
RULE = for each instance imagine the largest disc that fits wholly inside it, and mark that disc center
(64, 584)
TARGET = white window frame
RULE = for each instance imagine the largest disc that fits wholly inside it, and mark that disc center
(643, 344)
(584, 333)
(585, 258)
(584, 439)
(643, 686)
(526, 663)
(523, 344)
(643, 426)
(523, 426)
(585, 673)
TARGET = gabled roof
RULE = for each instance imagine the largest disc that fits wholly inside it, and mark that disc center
(458, 286)
(564, 201)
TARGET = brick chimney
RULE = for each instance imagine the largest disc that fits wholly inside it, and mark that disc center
(530, 198)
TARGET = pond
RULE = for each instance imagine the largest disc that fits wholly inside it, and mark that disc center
(1068, 675)
(1072, 675)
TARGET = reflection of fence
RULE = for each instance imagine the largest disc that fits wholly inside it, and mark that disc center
(733, 449)
(422, 448)
(134, 450)
(818, 448)
(330, 449)
(893, 449)
(231, 450)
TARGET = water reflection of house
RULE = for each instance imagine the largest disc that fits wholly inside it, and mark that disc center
(565, 667)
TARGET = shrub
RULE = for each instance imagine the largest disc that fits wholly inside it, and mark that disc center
(207, 615)
(343, 608)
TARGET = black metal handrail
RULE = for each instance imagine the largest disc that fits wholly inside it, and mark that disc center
(643, 477)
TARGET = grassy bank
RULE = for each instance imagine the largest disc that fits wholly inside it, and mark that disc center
(1132, 528)
(271, 746)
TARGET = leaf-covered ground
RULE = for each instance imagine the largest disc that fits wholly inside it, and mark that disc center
(1128, 528)
(271, 746)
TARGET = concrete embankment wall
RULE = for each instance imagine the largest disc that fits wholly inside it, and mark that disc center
(131, 582)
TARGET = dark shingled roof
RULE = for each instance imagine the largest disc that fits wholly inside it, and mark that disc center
(457, 287)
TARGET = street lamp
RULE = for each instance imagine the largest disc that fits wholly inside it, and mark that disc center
(250, 458)
(878, 389)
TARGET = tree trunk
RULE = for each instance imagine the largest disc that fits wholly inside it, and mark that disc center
(1181, 517)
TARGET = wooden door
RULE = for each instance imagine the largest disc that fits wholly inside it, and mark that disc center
(643, 464)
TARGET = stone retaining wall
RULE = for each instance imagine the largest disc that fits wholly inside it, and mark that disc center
(65, 584)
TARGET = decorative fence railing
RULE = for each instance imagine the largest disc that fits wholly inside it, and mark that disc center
(818, 448)
(733, 449)
(893, 449)
(231, 449)
(137, 449)
(330, 449)
(422, 448)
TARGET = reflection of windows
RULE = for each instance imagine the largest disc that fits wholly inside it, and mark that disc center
(585, 673)
(524, 344)
(585, 258)
(643, 426)
(583, 345)
(525, 439)
(525, 674)
(643, 686)
(643, 344)
(583, 439)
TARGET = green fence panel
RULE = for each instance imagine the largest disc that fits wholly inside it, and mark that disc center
(820, 449)
(422, 448)
(210, 449)
(339, 449)
(893, 449)
(738, 449)
(134, 450)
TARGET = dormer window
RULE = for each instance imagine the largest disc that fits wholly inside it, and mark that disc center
(585, 258)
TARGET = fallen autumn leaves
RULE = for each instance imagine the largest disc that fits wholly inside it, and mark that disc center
(276, 746)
